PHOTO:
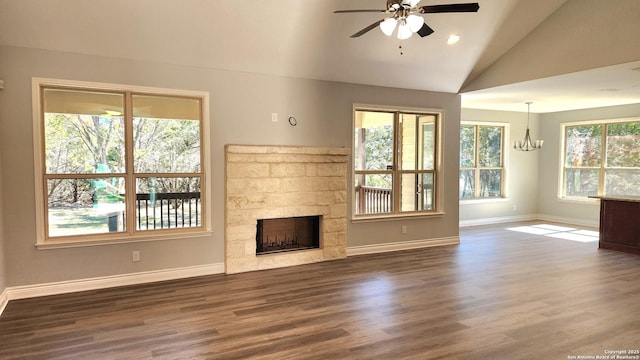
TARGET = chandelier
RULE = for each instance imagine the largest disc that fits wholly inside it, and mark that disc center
(527, 144)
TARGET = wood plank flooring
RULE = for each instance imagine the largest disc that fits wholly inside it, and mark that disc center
(500, 294)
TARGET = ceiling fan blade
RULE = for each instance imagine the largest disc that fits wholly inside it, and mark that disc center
(448, 8)
(425, 30)
(358, 11)
(367, 29)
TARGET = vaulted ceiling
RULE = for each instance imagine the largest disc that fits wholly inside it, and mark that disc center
(511, 51)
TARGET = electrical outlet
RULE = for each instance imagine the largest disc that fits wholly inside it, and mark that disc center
(274, 117)
(403, 229)
(515, 207)
(135, 255)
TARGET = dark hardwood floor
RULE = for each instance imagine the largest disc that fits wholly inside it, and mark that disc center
(500, 294)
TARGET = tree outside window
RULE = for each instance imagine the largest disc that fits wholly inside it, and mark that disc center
(601, 158)
(481, 161)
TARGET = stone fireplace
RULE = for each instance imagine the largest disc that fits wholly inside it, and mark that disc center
(277, 182)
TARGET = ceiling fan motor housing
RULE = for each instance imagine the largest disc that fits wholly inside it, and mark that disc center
(395, 5)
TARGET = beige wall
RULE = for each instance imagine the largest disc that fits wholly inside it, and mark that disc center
(241, 107)
(522, 170)
(2, 255)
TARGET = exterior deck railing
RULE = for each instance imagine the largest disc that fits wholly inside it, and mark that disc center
(372, 200)
(168, 210)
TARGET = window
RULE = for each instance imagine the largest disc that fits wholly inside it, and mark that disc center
(396, 161)
(601, 158)
(481, 161)
(118, 163)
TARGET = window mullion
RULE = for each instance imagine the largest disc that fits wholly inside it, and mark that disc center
(476, 162)
(130, 181)
(565, 146)
(397, 155)
(503, 177)
(417, 191)
(603, 161)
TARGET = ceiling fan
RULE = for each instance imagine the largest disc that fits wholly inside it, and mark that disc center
(406, 15)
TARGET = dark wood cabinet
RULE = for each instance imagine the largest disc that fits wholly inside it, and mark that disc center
(620, 224)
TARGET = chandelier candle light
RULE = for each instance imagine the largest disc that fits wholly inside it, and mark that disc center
(527, 144)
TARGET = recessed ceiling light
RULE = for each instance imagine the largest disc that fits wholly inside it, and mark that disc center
(453, 38)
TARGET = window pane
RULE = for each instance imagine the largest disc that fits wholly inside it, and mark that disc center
(373, 140)
(418, 141)
(166, 134)
(622, 182)
(416, 192)
(622, 144)
(373, 194)
(467, 146)
(467, 184)
(427, 132)
(490, 146)
(83, 132)
(165, 202)
(584, 146)
(410, 142)
(581, 182)
(490, 183)
(85, 206)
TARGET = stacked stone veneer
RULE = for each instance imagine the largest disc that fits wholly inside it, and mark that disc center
(268, 182)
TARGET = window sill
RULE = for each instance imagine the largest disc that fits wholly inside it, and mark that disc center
(483, 200)
(375, 218)
(581, 201)
(70, 243)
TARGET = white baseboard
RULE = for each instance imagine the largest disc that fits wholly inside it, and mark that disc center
(403, 245)
(570, 221)
(498, 220)
(530, 217)
(4, 300)
(63, 287)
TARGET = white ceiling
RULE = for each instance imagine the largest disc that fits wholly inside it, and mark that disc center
(304, 38)
(606, 86)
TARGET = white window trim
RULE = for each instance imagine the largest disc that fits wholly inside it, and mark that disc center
(439, 209)
(484, 200)
(505, 162)
(560, 194)
(36, 83)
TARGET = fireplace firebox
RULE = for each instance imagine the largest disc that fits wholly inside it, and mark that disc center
(287, 234)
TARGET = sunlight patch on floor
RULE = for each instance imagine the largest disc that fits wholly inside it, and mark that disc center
(558, 232)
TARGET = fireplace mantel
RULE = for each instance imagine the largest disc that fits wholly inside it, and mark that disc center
(263, 182)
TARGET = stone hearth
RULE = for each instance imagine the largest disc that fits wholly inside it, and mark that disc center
(268, 182)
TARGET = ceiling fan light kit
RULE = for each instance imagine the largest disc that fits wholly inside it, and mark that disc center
(406, 15)
(404, 30)
(388, 25)
(415, 22)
